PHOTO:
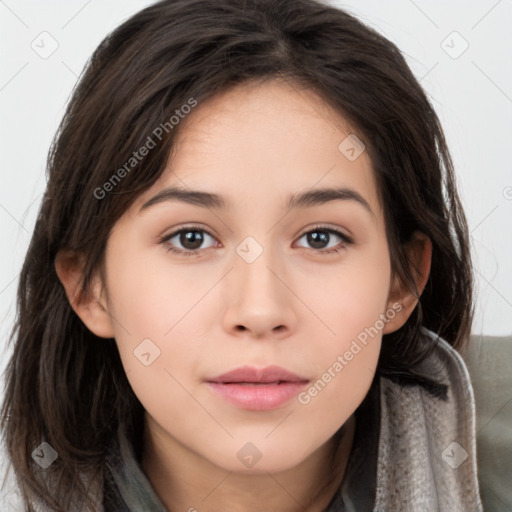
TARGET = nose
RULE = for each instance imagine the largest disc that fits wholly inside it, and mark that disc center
(259, 298)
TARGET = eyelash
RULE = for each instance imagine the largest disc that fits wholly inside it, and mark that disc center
(193, 253)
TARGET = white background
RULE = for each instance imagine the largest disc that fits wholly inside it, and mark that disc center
(472, 94)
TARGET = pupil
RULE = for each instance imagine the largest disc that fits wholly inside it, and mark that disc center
(191, 237)
(318, 237)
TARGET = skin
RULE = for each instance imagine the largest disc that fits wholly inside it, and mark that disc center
(294, 305)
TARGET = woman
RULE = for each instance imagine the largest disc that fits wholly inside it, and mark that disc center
(185, 340)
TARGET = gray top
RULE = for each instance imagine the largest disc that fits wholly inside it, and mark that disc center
(412, 451)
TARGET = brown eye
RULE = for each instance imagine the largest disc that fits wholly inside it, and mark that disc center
(190, 239)
(320, 237)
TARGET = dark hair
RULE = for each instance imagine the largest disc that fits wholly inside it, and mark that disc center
(68, 387)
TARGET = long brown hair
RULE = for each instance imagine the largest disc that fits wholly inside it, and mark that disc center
(66, 386)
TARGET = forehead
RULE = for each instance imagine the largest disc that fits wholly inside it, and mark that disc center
(260, 141)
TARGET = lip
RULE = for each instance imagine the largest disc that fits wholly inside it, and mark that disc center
(258, 389)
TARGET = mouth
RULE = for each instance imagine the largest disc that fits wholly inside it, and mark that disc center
(257, 389)
(253, 375)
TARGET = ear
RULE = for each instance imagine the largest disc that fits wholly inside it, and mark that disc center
(400, 298)
(91, 307)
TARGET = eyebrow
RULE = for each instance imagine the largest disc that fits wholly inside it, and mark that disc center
(215, 201)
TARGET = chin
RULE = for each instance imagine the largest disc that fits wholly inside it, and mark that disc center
(262, 457)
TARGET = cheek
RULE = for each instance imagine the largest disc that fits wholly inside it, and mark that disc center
(351, 305)
(345, 373)
(143, 297)
(157, 318)
(347, 297)
(345, 365)
(149, 326)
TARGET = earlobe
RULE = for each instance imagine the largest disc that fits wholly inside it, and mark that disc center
(91, 306)
(419, 250)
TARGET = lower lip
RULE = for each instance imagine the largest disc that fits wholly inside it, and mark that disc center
(257, 397)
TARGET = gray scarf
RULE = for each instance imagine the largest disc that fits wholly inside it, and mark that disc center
(427, 448)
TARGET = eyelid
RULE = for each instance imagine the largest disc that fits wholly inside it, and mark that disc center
(190, 227)
(331, 229)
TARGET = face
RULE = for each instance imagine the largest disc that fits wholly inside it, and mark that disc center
(197, 289)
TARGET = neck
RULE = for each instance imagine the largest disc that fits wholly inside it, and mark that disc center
(184, 480)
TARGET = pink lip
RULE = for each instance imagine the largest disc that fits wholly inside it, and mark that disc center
(258, 389)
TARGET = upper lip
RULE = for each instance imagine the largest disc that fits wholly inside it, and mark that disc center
(253, 374)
